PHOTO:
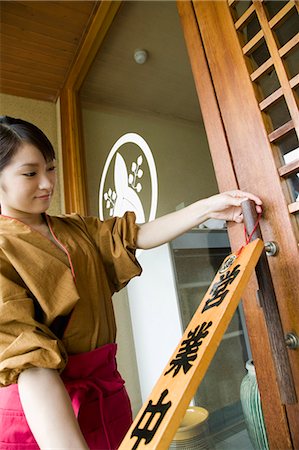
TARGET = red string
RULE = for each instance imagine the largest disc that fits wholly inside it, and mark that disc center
(249, 237)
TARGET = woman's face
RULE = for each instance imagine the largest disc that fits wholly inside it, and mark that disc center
(27, 183)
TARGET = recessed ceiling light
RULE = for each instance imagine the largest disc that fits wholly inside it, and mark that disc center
(140, 56)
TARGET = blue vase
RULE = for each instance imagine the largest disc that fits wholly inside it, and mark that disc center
(252, 410)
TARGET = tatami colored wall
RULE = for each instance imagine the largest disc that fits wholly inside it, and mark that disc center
(44, 115)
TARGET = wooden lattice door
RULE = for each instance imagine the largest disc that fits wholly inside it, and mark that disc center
(244, 57)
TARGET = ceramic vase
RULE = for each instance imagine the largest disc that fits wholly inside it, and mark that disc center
(252, 410)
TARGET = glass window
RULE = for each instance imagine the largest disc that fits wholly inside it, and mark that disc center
(278, 113)
(293, 184)
(259, 54)
(273, 8)
(250, 29)
(287, 28)
(157, 101)
(291, 62)
(267, 84)
(239, 8)
(288, 147)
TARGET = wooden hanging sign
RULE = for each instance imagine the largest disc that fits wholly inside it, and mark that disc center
(161, 415)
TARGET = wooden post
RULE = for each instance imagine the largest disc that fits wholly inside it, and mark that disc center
(267, 299)
(71, 120)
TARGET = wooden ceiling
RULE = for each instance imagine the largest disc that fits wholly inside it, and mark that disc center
(38, 43)
(40, 39)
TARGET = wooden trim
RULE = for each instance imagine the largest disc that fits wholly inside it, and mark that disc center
(244, 19)
(16, 89)
(253, 43)
(281, 14)
(289, 45)
(208, 104)
(281, 131)
(268, 101)
(294, 81)
(288, 169)
(72, 153)
(97, 31)
(294, 207)
(280, 70)
(71, 122)
(277, 94)
(262, 69)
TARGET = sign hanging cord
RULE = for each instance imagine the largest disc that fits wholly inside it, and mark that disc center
(248, 237)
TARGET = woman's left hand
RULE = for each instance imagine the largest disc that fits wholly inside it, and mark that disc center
(227, 205)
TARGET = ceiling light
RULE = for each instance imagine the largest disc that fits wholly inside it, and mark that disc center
(140, 56)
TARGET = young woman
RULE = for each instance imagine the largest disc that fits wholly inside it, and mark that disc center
(59, 384)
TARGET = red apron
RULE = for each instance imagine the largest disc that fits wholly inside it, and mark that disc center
(98, 396)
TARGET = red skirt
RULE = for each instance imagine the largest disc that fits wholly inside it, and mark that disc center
(99, 400)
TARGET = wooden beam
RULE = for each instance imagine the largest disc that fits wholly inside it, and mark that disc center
(98, 29)
(244, 19)
(278, 64)
(281, 131)
(282, 13)
(253, 43)
(288, 46)
(72, 153)
(262, 69)
(208, 103)
(293, 207)
(288, 169)
(71, 120)
(271, 99)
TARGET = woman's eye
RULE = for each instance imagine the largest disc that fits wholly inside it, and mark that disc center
(29, 174)
(52, 168)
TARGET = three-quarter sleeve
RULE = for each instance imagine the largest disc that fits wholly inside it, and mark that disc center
(24, 342)
(116, 240)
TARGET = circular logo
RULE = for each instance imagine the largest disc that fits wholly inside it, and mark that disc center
(227, 263)
(128, 170)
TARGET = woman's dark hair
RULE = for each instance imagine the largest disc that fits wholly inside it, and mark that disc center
(14, 132)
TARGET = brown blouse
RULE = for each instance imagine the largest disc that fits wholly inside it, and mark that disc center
(41, 284)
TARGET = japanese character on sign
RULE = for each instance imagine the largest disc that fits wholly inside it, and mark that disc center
(219, 290)
(189, 348)
(148, 431)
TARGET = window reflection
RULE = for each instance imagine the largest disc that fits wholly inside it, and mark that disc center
(278, 113)
(288, 146)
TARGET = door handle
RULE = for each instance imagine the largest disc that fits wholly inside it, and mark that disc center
(292, 341)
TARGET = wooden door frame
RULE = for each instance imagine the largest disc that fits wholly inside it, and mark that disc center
(75, 183)
(73, 156)
(230, 173)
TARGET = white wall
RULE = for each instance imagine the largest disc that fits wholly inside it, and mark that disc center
(155, 315)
